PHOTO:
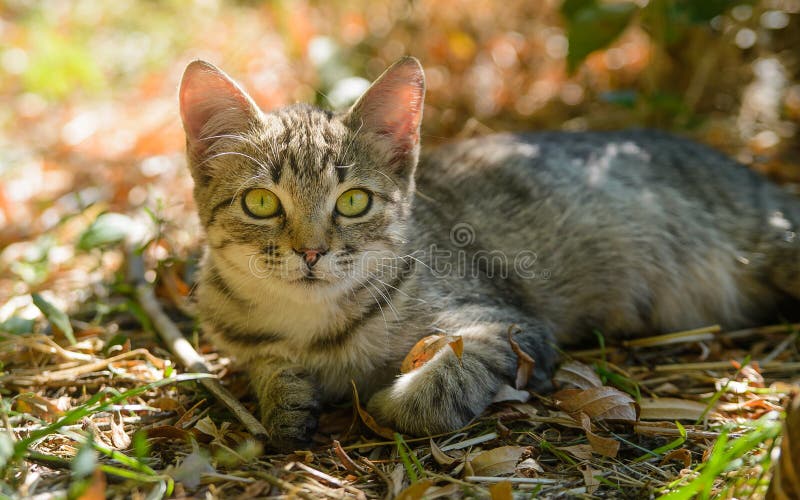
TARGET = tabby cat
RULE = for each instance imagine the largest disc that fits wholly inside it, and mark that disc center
(331, 252)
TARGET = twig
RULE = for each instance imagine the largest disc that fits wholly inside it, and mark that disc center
(72, 373)
(283, 485)
(186, 354)
(696, 335)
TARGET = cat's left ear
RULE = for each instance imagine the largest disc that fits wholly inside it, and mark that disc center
(392, 109)
(212, 104)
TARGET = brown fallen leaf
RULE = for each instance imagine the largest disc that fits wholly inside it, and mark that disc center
(426, 348)
(97, 487)
(525, 363)
(579, 451)
(38, 406)
(457, 346)
(368, 420)
(348, 462)
(448, 491)
(785, 482)
(167, 404)
(589, 478)
(531, 468)
(599, 403)
(680, 455)
(119, 438)
(415, 491)
(168, 432)
(577, 374)
(671, 409)
(441, 457)
(498, 461)
(501, 491)
(607, 447)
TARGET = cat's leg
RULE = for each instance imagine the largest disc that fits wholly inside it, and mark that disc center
(289, 401)
(446, 392)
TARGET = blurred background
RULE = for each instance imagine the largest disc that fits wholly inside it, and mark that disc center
(91, 147)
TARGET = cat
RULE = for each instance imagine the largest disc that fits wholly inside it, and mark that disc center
(331, 252)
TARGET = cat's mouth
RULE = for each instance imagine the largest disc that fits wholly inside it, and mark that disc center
(310, 279)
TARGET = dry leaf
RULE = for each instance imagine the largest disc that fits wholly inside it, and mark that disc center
(508, 393)
(97, 487)
(457, 346)
(498, 461)
(600, 403)
(525, 363)
(588, 478)
(425, 349)
(38, 406)
(680, 455)
(348, 462)
(207, 426)
(190, 470)
(531, 468)
(441, 457)
(785, 482)
(119, 438)
(577, 374)
(368, 420)
(671, 409)
(449, 491)
(415, 491)
(607, 447)
(579, 451)
(501, 491)
(166, 403)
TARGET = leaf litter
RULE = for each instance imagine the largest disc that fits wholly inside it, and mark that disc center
(85, 382)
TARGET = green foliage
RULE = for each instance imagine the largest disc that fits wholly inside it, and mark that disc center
(59, 64)
(55, 316)
(410, 461)
(108, 228)
(86, 459)
(727, 455)
(593, 25)
(16, 325)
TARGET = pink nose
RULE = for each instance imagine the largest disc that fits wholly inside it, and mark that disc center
(311, 255)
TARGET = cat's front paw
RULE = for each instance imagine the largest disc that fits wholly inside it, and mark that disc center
(290, 408)
(441, 396)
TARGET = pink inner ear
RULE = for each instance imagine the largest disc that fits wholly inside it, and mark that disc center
(393, 105)
(204, 92)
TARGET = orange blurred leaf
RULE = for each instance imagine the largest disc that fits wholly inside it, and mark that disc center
(501, 491)
(415, 491)
(426, 348)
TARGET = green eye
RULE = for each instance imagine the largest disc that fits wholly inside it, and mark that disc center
(261, 203)
(353, 203)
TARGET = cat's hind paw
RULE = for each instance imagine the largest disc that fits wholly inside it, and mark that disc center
(441, 396)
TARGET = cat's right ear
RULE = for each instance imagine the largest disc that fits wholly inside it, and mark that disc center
(212, 104)
(391, 109)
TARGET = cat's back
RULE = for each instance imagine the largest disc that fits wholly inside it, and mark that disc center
(626, 217)
(652, 173)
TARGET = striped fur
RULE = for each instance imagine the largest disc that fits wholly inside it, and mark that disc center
(556, 234)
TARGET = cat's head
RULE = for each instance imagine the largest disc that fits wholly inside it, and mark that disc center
(301, 200)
